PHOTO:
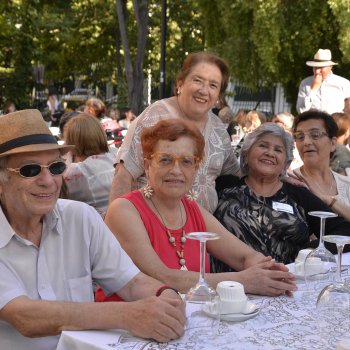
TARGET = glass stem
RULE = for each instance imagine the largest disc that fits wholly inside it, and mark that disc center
(202, 262)
(321, 244)
(340, 254)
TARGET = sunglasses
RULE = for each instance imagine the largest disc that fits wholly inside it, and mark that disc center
(32, 170)
(166, 160)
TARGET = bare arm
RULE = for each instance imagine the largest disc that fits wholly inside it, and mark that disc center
(121, 184)
(132, 235)
(162, 318)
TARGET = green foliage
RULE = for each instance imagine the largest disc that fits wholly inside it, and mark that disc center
(16, 52)
(268, 41)
(122, 94)
(185, 34)
(264, 41)
(341, 10)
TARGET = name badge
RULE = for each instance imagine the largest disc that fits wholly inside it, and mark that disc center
(283, 207)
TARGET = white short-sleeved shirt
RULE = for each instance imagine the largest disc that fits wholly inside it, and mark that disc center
(90, 181)
(328, 98)
(76, 249)
(219, 158)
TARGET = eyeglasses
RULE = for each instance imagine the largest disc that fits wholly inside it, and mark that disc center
(313, 134)
(168, 160)
(32, 170)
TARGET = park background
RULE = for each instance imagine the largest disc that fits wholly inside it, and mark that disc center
(128, 52)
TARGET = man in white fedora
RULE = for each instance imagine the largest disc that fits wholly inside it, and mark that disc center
(52, 250)
(323, 90)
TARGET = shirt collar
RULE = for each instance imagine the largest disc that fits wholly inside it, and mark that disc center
(51, 221)
(329, 76)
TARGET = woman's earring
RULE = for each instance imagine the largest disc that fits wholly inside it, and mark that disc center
(192, 195)
(148, 191)
(178, 92)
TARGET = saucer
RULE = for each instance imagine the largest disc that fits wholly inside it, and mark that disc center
(251, 309)
(302, 275)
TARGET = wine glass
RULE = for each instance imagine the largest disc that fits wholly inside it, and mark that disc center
(320, 264)
(202, 301)
(333, 303)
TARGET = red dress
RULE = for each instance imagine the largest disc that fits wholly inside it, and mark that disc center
(160, 240)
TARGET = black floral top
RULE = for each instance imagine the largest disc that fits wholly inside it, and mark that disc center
(278, 225)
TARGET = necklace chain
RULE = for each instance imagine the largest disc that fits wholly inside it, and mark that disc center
(171, 238)
(262, 202)
(318, 185)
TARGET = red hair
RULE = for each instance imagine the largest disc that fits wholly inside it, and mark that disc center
(171, 129)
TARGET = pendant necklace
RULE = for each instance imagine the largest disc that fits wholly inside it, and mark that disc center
(171, 238)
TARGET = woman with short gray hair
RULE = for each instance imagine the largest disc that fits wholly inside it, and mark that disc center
(260, 209)
(253, 137)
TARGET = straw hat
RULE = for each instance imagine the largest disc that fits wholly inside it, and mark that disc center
(322, 58)
(26, 131)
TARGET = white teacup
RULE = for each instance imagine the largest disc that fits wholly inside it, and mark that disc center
(233, 298)
(302, 255)
(314, 267)
(300, 259)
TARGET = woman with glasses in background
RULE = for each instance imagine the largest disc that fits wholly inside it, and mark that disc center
(151, 223)
(315, 134)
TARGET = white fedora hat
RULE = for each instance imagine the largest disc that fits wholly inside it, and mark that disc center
(322, 58)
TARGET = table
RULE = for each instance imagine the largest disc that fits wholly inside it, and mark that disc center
(283, 323)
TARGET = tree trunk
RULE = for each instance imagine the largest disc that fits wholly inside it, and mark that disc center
(141, 14)
(134, 75)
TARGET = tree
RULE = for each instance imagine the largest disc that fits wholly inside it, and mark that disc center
(16, 56)
(134, 73)
(268, 42)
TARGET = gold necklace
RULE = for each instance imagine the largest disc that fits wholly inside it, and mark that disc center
(171, 238)
(317, 184)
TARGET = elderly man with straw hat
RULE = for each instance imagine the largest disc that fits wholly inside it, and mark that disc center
(52, 250)
(323, 90)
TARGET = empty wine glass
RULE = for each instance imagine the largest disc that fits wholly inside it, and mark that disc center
(320, 264)
(202, 302)
(333, 303)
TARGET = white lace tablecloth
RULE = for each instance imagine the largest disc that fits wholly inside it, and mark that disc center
(283, 323)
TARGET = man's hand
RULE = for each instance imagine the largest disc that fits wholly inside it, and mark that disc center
(316, 83)
(159, 318)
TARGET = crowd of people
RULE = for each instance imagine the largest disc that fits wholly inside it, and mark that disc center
(94, 236)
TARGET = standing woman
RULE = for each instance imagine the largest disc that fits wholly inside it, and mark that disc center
(201, 82)
(315, 134)
(89, 176)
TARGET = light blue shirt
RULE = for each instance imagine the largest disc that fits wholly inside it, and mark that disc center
(76, 249)
(328, 98)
